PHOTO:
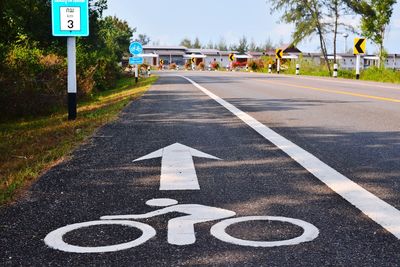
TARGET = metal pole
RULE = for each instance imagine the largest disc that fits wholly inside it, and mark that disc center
(358, 63)
(136, 73)
(71, 56)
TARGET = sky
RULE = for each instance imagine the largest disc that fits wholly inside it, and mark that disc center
(168, 22)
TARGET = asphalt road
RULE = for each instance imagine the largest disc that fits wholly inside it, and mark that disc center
(352, 127)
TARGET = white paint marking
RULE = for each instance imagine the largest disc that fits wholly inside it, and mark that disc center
(181, 229)
(55, 238)
(372, 206)
(177, 167)
(161, 202)
(219, 231)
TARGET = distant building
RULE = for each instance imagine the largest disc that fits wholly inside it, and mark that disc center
(180, 55)
(169, 54)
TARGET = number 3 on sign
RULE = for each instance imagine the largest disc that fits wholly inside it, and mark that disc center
(70, 18)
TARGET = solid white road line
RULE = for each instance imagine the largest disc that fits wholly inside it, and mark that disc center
(372, 206)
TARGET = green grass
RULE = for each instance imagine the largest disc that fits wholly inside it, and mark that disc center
(31, 146)
(370, 74)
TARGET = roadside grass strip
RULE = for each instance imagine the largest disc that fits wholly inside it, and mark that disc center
(378, 210)
(30, 147)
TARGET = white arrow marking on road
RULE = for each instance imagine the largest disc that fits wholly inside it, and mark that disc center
(177, 167)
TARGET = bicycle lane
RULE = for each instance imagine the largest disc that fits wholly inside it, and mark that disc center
(252, 178)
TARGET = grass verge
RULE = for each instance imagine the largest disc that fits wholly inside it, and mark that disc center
(30, 147)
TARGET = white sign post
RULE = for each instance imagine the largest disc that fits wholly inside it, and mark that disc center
(70, 18)
(71, 57)
(358, 63)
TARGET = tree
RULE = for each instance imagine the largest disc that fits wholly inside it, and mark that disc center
(222, 46)
(115, 36)
(253, 46)
(375, 17)
(210, 45)
(143, 39)
(243, 46)
(308, 17)
(197, 43)
(336, 9)
(268, 45)
(186, 42)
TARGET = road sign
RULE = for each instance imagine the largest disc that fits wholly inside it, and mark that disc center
(193, 60)
(360, 46)
(177, 167)
(70, 17)
(161, 62)
(135, 60)
(279, 53)
(232, 57)
(135, 48)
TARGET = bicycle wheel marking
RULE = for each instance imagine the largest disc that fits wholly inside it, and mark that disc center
(219, 231)
(55, 238)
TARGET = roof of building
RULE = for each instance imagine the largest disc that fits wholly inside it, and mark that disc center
(255, 54)
(168, 52)
(166, 47)
(226, 53)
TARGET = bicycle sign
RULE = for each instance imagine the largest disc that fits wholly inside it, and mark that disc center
(135, 48)
(181, 229)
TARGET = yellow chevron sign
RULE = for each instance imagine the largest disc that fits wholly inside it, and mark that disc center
(360, 46)
(193, 60)
(232, 57)
(279, 53)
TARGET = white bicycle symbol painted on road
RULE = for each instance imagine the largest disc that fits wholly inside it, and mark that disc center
(181, 229)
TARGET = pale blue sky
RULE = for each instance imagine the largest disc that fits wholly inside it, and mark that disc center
(169, 21)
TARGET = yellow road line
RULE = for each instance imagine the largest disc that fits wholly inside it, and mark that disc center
(336, 91)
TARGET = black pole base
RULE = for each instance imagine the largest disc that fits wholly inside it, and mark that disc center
(71, 106)
(357, 76)
(136, 79)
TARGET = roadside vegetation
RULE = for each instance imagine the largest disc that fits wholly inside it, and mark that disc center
(33, 66)
(311, 68)
(34, 130)
(31, 146)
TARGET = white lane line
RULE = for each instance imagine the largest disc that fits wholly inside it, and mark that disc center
(372, 206)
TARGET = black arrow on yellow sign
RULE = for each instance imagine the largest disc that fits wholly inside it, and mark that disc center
(193, 60)
(359, 46)
(231, 57)
(279, 53)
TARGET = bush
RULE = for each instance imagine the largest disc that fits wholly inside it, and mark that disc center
(31, 83)
(215, 65)
(172, 66)
(201, 66)
(188, 66)
(256, 65)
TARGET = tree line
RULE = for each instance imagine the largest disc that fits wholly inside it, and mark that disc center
(33, 67)
(323, 18)
(242, 46)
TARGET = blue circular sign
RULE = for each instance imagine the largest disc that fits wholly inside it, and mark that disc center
(135, 48)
